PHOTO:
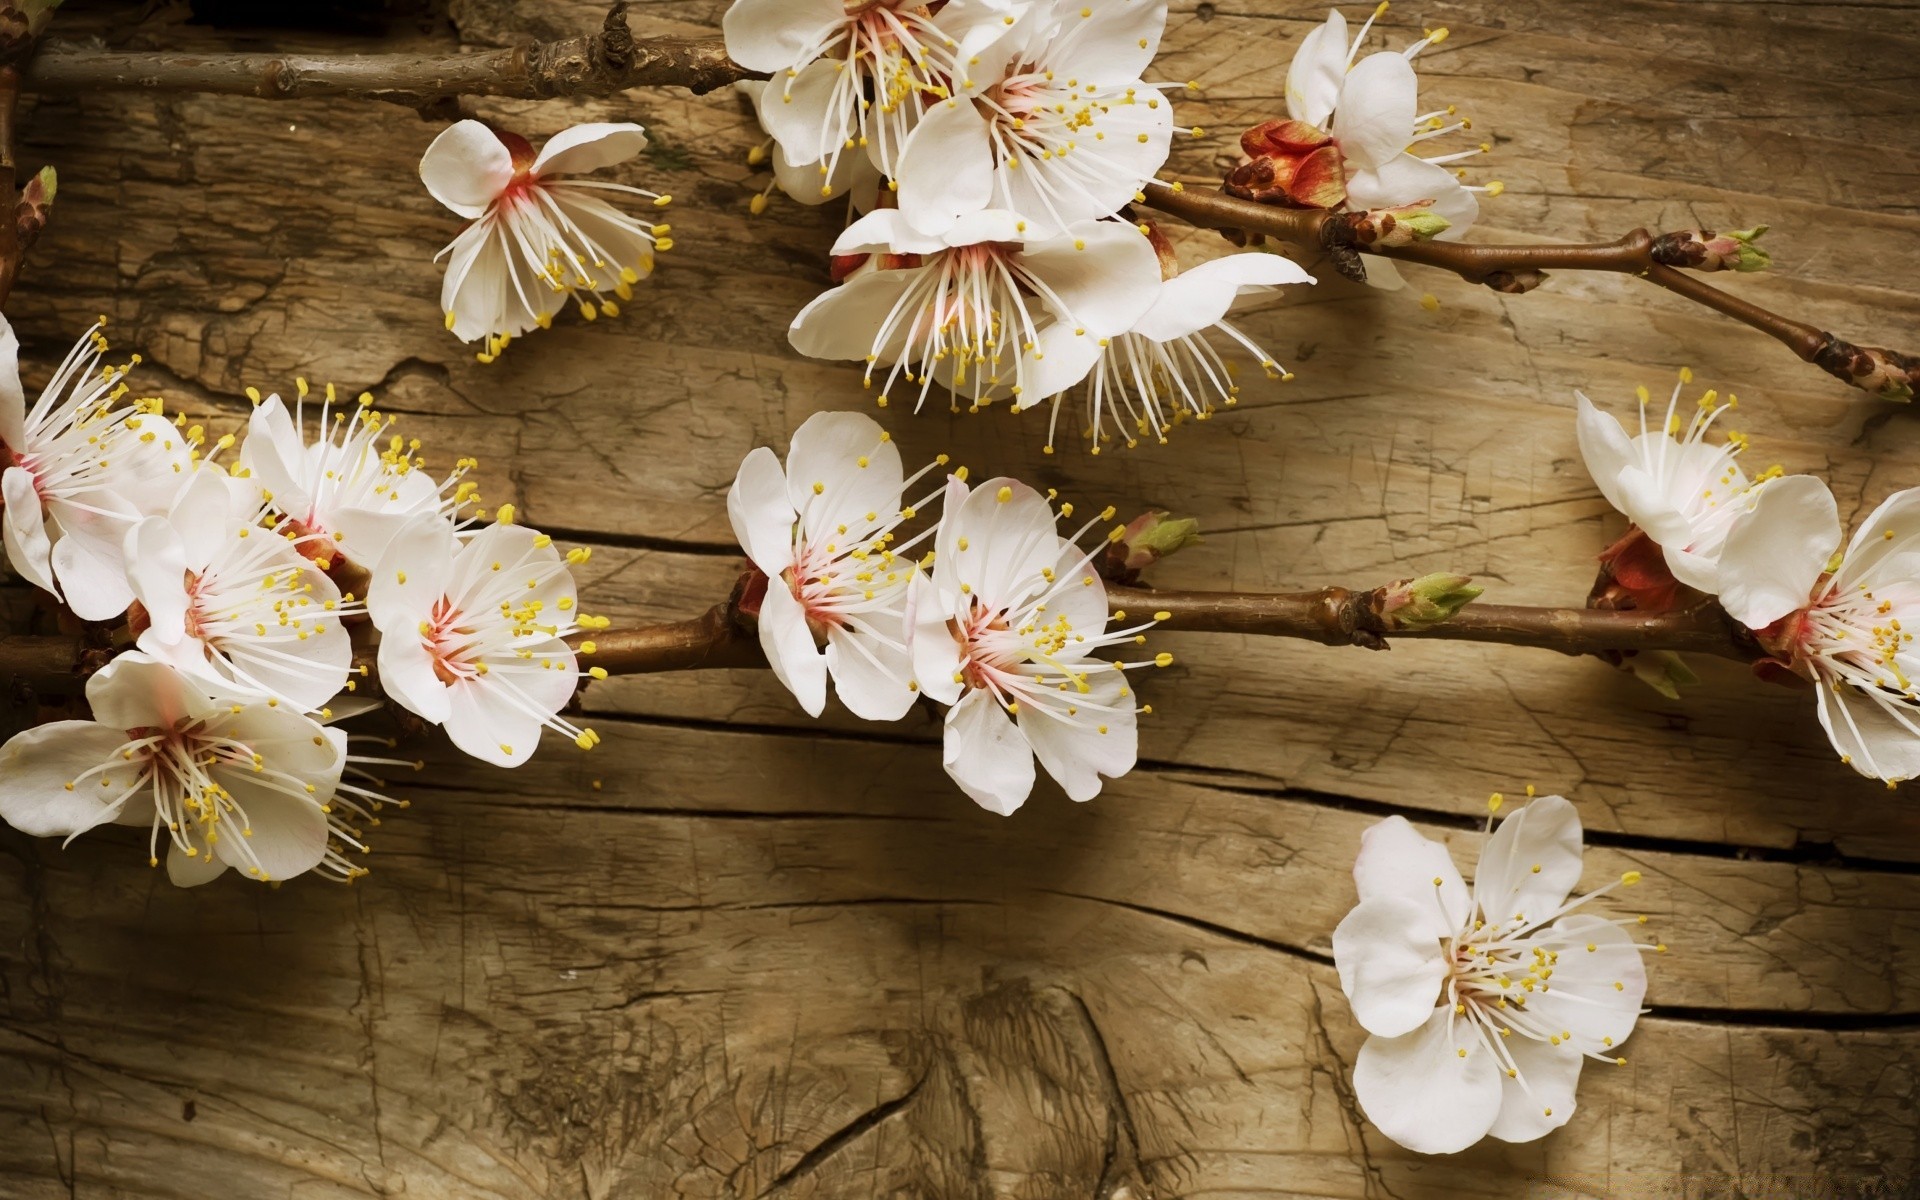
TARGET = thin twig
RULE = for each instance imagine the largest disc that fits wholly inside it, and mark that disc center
(1516, 269)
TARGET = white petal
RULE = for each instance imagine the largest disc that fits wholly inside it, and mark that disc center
(407, 676)
(589, 147)
(478, 289)
(1405, 179)
(770, 35)
(871, 673)
(986, 755)
(486, 723)
(1422, 1092)
(1116, 42)
(946, 166)
(1078, 750)
(36, 766)
(1317, 70)
(183, 871)
(1396, 860)
(1594, 994)
(1881, 548)
(1866, 734)
(1541, 1098)
(466, 168)
(96, 587)
(825, 480)
(289, 833)
(883, 230)
(1198, 298)
(1008, 543)
(13, 397)
(1062, 356)
(136, 690)
(844, 322)
(1373, 119)
(273, 453)
(807, 114)
(28, 547)
(1531, 862)
(758, 510)
(157, 571)
(936, 651)
(1605, 447)
(796, 660)
(1776, 549)
(412, 575)
(1391, 967)
(1100, 276)
(1054, 193)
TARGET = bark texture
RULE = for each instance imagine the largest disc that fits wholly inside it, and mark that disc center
(737, 953)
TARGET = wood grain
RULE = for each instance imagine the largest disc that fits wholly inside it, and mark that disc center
(738, 953)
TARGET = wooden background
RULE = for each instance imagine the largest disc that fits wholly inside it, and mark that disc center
(738, 953)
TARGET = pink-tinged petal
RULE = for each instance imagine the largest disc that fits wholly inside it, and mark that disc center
(1198, 298)
(589, 147)
(826, 481)
(1317, 70)
(485, 722)
(135, 691)
(13, 397)
(1373, 119)
(936, 651)
(204, 515)
(25, 527)
(946, 167)
(1422, 1092)
(844, 322)
(1877, 740)
(289, 835)
(762, 518)
(467, 167)
(412, 576)
(157, 571)
(1531, 862)
(1599, 983)
(1100, 276)
(37, 767)
(1405, 179)
(1776, 550)
(408, 678)
(1540, 1097)
(796, 660)
(291, 741)
(1396, 860)
(1883, 548)
(986, 755)
(95, 587)
(872, 671)
(1391, 967)
(771, 35)
(1079, 750)
(192, 871)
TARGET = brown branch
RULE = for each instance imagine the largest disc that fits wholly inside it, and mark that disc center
(1514, 269)
(600, 64)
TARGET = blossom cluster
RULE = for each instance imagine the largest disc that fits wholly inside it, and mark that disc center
(233, 577)
(996, 148)
(990, 611)
(1769, 550)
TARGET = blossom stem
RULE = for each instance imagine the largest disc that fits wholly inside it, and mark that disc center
(1514, 269)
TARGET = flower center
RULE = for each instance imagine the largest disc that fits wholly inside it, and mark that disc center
(449, 640)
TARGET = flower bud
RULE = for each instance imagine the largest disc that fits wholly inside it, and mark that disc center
(1149, 537)
(1705, 250)
(1401, 226)
(35, 205)
(1425, 602)
(1290, 163)
(1887, 374)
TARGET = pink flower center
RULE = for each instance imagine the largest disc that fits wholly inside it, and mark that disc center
(447, 640)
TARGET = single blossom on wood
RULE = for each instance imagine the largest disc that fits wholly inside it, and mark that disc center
(1483, 1003)
(823, 530)
(539, 238)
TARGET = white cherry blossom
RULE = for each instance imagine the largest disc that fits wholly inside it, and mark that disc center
(1483, 1005)
(538, 239)
(1847, 627)
(982, 309)
(80, 469)
(1164, 369)
(1051, 120)
(850, 80)
(810, 183)
(232, 603)
(822, 529)
(1672, 483)
(345, 485)
(247, 784)
(1004, 632)
(472, 636)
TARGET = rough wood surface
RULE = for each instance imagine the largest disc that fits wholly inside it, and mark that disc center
(736, 953)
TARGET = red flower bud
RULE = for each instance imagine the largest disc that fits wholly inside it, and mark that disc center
(1291, 163)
